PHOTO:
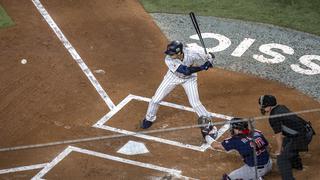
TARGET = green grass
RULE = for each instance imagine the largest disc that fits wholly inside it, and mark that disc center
(5, 20)
(302, 15)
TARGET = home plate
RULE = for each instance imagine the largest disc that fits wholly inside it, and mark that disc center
(133, 148)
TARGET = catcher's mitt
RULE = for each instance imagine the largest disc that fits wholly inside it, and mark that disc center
(207, 127)
(204, 120)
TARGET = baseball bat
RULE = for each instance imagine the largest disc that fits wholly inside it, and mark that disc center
(196, 27)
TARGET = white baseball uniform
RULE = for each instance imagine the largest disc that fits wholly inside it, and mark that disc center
(192, 56)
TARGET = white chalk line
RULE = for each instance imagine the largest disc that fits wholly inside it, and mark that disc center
(54, 162)
(108, 116)
(152, 138)
(70, 149)
(130, 97)
(100, 124)
(113, 136)
(112, 112)
(74, 54)
(139, 98)
(22, 168)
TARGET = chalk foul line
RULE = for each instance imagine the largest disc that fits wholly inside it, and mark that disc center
(72, 51)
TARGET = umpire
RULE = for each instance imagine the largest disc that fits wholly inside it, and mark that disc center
(292, 133)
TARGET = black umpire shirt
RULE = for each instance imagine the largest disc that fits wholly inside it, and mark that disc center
(290, 126)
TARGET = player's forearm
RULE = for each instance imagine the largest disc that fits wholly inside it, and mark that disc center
(188, 70)
(195, 69)
(217, 145)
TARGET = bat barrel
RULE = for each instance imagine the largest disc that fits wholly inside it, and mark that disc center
(196, 26)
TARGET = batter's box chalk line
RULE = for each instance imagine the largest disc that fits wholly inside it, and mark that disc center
(70, 149)
(101, 123)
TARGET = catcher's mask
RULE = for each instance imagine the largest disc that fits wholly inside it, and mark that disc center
(174, 47)
(266, 101)
(205, 121)
(235, 124)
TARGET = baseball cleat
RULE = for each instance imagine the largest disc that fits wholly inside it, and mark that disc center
(145, 124)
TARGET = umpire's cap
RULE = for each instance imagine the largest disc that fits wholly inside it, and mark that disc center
(174, 47)
(240, 125)
(267, 100)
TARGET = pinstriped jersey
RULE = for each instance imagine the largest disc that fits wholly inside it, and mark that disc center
(192, 57)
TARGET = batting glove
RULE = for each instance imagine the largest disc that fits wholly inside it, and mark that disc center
(206, 65)
(212, 55)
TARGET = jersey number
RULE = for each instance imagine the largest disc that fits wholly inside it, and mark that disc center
(260, 145)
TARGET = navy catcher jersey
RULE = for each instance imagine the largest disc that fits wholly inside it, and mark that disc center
(244, 145)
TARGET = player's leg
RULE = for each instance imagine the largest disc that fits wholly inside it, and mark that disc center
(296, 161)
(262, 171)
(267, 168)
(167, 85)
(191, 89)
(247, 172)
(244, 172)
(284, 166)
(284, 160)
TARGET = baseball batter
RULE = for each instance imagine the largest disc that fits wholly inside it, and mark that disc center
(242, 141)
(182, 63)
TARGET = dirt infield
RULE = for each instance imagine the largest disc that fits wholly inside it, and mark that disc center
(51, 99)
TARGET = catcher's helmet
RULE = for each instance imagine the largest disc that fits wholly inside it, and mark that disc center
(267, 100)
(174, 47)
(242, 125)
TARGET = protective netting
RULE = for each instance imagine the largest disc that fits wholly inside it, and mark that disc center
(296, 134)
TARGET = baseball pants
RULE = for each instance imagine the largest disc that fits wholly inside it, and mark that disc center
(170, 81)
(248, 173)
(288, 157)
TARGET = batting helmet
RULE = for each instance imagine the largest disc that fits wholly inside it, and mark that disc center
(236, 123)
(174, 47)
(267, 100)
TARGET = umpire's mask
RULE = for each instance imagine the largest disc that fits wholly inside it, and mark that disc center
(266, 101)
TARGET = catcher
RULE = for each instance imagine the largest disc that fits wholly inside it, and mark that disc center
(243, 140)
